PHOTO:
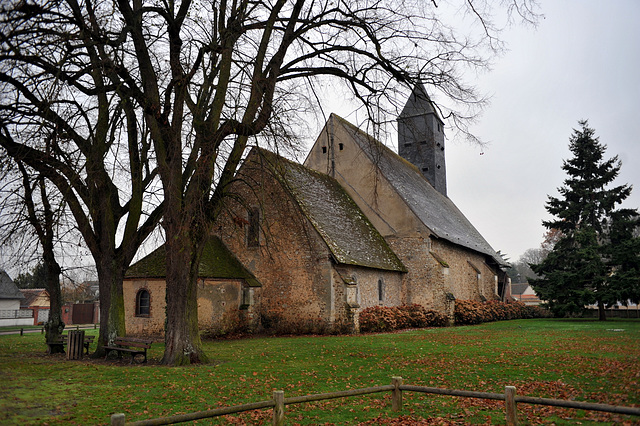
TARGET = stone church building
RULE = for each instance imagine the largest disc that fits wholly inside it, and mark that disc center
(356, 226)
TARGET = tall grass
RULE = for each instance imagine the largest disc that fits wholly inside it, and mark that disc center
(567, 359)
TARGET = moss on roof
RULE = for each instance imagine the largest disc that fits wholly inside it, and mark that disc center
(217, 262)
(348, 233)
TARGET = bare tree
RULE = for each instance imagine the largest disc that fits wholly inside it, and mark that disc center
(58, 117)
(32, 215)
(44, 225)
(206, 78)
(533, 255)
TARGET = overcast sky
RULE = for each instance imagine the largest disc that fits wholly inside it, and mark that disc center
(581, 62)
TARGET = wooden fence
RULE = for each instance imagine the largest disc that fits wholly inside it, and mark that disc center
(396, 388)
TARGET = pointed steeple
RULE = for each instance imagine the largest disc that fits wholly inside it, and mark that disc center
(421, 138)
(418, 103)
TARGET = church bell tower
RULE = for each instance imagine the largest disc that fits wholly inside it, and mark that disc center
(421, 138)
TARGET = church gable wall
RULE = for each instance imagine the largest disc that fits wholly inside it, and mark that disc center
(291, 261)
(359, 176)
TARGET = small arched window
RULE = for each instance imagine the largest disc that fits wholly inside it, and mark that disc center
(143, 303)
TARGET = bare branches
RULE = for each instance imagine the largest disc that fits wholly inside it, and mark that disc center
(114, 101)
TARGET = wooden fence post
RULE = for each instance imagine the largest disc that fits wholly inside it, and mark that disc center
(278, 410)
(396, 394)
(510, 405)
(117, 419)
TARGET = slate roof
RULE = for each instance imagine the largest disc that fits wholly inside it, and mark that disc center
(217, 262)
(31, 294)
(348, 233)
(436, 211)
(518, 288)
(8, 289)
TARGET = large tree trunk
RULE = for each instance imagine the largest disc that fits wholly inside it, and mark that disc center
(182, 335)
(54, 326)
(112, 322)
(602, 315)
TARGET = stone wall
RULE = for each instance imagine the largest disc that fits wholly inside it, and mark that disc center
(153, 324)
(291, 261)
(440, 272)
(226, 306)
(424, 283)
(468, 276)
(365, 288)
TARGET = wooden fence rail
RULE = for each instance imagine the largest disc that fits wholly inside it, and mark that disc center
(396, 388)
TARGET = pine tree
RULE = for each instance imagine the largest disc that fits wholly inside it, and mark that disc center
(623, 254)
(593, 261)
(37, 278)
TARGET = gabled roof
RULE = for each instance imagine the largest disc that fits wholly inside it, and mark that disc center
(435, 210)
(217, 262)
(518, 288)
(31, 294)
(8, 289)
(348, 233)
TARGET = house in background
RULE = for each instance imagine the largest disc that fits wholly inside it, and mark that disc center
(405, 198)
(10, 299)
(81, 313)
(38, 301)
(227, 293)
(523, 292)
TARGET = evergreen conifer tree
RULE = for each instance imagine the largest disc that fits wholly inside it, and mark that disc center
(596, 259)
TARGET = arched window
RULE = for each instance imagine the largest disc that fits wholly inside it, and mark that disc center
(143, 303)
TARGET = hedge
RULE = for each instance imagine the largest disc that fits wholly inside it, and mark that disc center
(470, 312)
(386, 318)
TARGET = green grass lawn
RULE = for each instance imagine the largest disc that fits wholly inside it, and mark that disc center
(584, 360)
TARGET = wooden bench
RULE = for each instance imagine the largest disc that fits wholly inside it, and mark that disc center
(63, 339)
(129, 345)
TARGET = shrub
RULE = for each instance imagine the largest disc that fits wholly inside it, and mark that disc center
(378, 318)
(469, 312)
(384, 318)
